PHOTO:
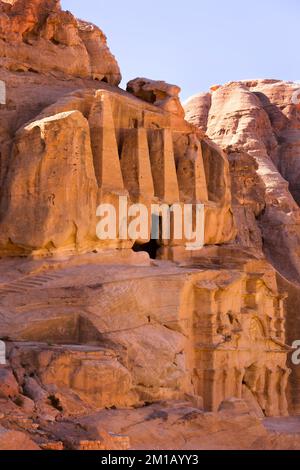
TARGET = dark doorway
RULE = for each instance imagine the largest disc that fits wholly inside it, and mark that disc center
(151, 248)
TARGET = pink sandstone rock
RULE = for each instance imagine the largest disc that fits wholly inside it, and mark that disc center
(9, 387)
(94, 331)
(15, 440)
(259, 118)
(257, 123)
(159, 93)
(38, 36)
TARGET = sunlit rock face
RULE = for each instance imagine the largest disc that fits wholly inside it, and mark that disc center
(37, 36)
(71, 140)
(260, 118)
(106, 143)
(257, 123)
(104, 347)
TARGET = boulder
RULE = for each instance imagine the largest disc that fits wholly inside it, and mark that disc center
(38, 36)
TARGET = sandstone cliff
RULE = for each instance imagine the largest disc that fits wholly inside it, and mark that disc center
(39, 37)
(258, 118)
(70, 140)
(103, 346)
(257, 123)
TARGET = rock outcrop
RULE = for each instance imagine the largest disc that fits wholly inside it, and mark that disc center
(215, 333)
(108, 143)
(259, 118)
(37, 36)
(16, 440)
(159, 93)
(257, 123)
(248, 199)
(101, 342)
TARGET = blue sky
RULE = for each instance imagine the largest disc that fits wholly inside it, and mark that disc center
(198, 43)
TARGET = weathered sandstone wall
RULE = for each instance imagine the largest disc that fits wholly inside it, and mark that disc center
(257, 123)
(259, 118)
(102, 344)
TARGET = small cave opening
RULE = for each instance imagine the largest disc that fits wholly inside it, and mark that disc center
(151, 248)
(55, 42)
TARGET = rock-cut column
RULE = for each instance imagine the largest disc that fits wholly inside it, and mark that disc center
(104, 145)
(163, 165)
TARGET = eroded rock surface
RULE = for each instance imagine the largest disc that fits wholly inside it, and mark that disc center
(257, 123)
(212, 331)
(106, 349)
(37, 36)
(259, 118)
(108, 144)
(159, 93)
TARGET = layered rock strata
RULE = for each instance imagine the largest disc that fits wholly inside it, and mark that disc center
(96, 335)
(257, 123)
